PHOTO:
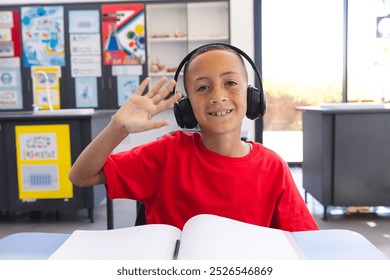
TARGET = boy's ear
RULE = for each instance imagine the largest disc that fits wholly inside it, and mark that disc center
(184, 114)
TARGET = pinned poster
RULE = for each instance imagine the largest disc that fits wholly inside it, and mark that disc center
(86, 92)
(127, 86)
(43, 158)
(85, 43)
(46, 87)
(10, 84)
(43, 35)
(123, 34)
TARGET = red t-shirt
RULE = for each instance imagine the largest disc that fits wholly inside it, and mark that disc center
(176, 178)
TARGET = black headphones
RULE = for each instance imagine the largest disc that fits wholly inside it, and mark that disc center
(182, 109)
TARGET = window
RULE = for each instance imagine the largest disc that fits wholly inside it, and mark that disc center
(368, 50)
(302, 62)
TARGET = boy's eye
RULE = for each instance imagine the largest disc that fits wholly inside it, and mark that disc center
(201, 88)
(231, 83)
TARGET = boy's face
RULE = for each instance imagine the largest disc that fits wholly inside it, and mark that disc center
(216, 83)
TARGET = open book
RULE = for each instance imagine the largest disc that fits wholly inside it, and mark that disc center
(203, 237)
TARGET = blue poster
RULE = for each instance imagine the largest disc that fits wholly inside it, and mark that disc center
(43, 36)
(86, 92)
(127, 85)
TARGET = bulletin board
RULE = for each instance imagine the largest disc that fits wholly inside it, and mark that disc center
(43, 161)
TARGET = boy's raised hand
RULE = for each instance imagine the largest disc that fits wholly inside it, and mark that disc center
(136, 114)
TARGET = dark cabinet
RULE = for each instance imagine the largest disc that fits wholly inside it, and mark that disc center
(346, 156)
(83, 128)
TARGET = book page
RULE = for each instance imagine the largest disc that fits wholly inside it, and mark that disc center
(214, 237)
(148, 242)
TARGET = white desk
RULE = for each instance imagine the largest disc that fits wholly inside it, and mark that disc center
(316, 245)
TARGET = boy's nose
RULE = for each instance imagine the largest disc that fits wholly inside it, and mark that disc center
(218, 96)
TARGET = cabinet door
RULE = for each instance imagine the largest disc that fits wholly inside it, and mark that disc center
(317, 166)
(362, 159)
(35, 175)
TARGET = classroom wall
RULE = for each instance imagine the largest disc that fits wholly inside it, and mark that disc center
(241, 34)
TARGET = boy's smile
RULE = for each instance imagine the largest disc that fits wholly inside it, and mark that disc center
(221, 113)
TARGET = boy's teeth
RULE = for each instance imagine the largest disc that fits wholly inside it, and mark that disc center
(221, 113)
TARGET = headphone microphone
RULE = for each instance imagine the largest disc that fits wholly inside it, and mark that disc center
(256, 104)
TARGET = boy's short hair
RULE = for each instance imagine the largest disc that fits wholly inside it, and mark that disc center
(206, 48)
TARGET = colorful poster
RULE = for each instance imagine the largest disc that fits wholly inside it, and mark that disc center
(10, 84)
(43, 35)
(43, 158)
(123, 34)
(46, 87)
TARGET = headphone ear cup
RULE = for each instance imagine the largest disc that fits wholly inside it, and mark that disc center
(179, 119)
(255, 103)
(263, 103)
(184, 114)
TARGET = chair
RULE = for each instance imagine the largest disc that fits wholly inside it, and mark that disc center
(140, 218)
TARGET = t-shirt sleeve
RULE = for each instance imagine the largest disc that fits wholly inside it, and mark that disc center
(134, 174)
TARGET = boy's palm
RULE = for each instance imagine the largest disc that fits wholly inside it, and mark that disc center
(136, 114)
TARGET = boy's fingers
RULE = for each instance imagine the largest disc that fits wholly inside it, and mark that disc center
(166, 103)
(162, 94)
(156, 88)
(141, 88)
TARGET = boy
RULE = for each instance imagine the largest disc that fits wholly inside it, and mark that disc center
(184, 174)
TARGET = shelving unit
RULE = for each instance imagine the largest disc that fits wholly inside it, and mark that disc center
(208, 22)
(196, 23)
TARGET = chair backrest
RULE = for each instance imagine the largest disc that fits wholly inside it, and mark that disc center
(140, 219)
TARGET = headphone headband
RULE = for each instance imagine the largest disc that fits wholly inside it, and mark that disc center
(237, 50)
